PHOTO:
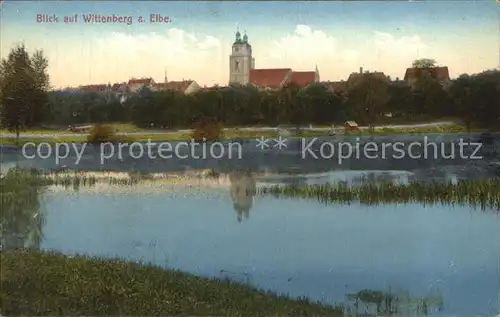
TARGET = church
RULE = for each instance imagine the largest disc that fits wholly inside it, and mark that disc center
(242, 70)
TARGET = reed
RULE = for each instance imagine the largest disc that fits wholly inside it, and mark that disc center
(477, 193)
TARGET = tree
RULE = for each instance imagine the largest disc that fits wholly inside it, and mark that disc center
(486, 95)
(429, 97)
(40, 65)
(477, 98)
(424, 63)
(368, 99)
(462, 99)
(24, 82)
(399, 101)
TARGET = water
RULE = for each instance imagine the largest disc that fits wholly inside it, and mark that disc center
(299, 247)
(292, 158)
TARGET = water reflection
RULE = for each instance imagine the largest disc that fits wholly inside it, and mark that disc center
(242, 191)
(369, 302)
(378, 177)
(21, 220)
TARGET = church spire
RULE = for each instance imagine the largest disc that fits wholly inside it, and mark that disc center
(165, 80)
(238, 36)
(245, 37)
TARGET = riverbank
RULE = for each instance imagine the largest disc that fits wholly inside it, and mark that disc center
(127, 128)
(41, 284)
(237, 134)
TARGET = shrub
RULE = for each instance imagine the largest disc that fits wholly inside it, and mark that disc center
(207, 130)
(100, 134)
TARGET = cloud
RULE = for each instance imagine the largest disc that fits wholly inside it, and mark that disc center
(175, 43)
(180, 51)
(351, 56)
(119, 56)
(305, 44)
(204, 58)
(388, 43)
(388, 53)
(337, 58)
(115, 57)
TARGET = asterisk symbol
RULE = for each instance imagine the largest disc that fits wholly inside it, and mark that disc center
(262, 143)
(280, 142)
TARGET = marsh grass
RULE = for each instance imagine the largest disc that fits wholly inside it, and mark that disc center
(44, 283)
(477, 193)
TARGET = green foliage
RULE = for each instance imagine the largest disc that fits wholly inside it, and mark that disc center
(42, 284)
(23, 85)
(101, 134)
(368, 99)
(429, 97)
(231, 106)
(477, 99)
(424, 63)
(207, 130)
(365, 103)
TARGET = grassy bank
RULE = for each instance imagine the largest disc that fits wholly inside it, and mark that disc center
(234, 134)
(143, 137)
(83, 138)
(43, 284)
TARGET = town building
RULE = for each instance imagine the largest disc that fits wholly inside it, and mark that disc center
(185, 86)
(124, 90)
(242, 70)
(440, 74)
(341, 87)
(136, 84)
(355, 78)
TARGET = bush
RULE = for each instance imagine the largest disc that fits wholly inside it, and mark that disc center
(207, 130)
(100, 134)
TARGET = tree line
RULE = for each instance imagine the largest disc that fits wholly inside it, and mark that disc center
(26, 102)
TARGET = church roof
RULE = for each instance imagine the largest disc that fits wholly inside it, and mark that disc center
(303, 79)
(269, 78)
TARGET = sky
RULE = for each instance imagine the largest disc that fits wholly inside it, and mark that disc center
(337, 36)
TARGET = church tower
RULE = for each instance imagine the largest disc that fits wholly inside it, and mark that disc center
(240, 60)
